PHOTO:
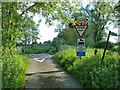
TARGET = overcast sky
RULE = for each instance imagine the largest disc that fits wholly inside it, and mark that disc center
(46, 33)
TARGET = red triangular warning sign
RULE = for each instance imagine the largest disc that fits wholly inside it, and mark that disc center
(81, 29)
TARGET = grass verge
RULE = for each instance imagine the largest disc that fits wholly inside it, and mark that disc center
(88, 70)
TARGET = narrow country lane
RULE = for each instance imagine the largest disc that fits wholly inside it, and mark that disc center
(46, 73)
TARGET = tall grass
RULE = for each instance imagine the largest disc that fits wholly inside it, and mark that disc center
(88, 70)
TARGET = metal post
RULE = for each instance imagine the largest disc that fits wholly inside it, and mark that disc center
(80, 57)
(105, 47)
(95, 52)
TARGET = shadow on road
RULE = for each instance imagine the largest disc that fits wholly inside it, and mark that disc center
(48, 74)
(42, 72)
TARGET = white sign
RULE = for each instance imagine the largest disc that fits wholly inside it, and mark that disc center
(81, 41)
(81, 49)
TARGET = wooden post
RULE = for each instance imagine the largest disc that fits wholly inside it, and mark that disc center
(105, 47)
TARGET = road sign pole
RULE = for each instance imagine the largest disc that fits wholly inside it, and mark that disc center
(80, 57)
(81, 26)
(105, 47)
(80, 47)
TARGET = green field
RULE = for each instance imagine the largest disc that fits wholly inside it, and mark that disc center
(88, 70)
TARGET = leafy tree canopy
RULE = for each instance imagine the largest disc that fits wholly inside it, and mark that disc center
(17, 22)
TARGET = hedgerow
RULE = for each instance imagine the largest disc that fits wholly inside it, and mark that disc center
(40, 49)
(89, 71)
(14, 69)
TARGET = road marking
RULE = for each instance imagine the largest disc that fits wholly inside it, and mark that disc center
(42, 60)
(39, 60)
(49, 55)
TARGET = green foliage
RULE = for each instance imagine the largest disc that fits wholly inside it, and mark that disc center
(117, 6)
(115, 48)
(47, 43)
(34, 43)
(98, 17)
(18, 25)
(101, 44)
(19, 44)
(9, 23)
(101, 14)
(69, 36)
(64, 58)
(88, 70)
(14, 69)
(40, 49)
(52, 50)
(37, 50)
(56, 43)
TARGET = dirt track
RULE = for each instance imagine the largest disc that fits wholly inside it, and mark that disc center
(46, 73)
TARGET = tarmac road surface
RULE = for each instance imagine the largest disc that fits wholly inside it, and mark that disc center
(44, 72)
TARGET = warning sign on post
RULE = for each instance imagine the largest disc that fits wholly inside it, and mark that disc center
(81, 26)
(80, 41)
(81, 49)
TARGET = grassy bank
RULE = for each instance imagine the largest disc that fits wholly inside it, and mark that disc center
(14, 69)
(89, 71)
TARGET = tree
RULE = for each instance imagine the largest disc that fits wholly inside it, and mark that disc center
(10, 23)
(19, 44)
(40, 43)
(46, 43)
(11, 18)
(56, 43)
(117, 9)
(29, 29)
(100, 15)
(35, 42)
(69, 36)
(101, 44)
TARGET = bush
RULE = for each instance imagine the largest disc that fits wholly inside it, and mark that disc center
(115, 48)
(52, 50)
(101, 44)
(37, 50)
(14, 69)
(19, 44)
(89, 71)
(40, 49)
